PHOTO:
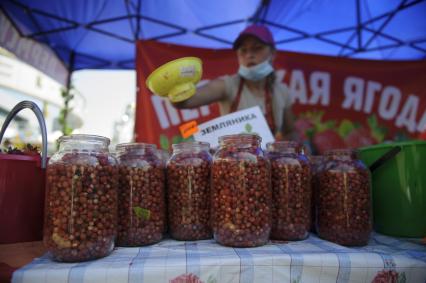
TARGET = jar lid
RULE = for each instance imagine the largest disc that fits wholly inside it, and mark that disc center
(135, 148)
(284, 146)
(191, 144)
(342, 152)
(316, 158)
(85, 138)
(135, 145)
(240, 138)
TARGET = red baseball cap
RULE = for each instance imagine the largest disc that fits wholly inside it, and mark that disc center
(261, 32)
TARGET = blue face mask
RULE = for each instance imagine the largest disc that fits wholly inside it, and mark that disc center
(257, 72)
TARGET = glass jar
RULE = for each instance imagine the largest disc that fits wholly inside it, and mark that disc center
(317, 164)
(141, 202)
(241, 192)
(344, 199)
(81, 199)
(163, 155)
(291, 191)
(188, 175)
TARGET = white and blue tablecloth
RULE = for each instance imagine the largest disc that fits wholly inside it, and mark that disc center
(311, 260)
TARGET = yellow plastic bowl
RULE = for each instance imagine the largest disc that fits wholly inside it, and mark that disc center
(170, 76)
(182, 92)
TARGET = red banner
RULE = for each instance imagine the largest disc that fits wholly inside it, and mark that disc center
(338, 102)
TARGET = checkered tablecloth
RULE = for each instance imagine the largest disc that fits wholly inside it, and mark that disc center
(311, 260)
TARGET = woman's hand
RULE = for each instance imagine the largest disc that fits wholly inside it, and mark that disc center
(211, 92)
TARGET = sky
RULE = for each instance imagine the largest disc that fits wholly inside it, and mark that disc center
(106, 94)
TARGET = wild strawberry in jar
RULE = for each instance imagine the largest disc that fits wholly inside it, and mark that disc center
(81, 199)
(241, 192)
(291, 191)
(188, 177)
(344, 199)
(141, 200)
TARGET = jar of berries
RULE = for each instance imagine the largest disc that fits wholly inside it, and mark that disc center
(141, 199)
(188, 175)
(344, 199)
(241, 192)
(291, 191)
(81, 199)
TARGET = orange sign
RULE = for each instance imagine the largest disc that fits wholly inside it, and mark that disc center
(188, 129)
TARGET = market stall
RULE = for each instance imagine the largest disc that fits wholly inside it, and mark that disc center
(241, 212)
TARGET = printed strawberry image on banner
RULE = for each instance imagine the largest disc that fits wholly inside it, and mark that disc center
(323, 135)
(360, 135)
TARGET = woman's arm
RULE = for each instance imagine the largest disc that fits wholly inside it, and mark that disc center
(211, 92)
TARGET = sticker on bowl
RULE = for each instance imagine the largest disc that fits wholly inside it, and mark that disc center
(187, 71)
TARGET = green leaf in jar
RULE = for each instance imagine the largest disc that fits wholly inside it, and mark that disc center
(143, 213)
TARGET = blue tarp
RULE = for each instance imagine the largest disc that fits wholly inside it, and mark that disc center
(101, 33)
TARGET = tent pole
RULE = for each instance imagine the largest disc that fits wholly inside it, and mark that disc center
(138, 18)
(358, 24)
(70, 69)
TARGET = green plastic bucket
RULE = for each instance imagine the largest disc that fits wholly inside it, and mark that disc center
(399, 188)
